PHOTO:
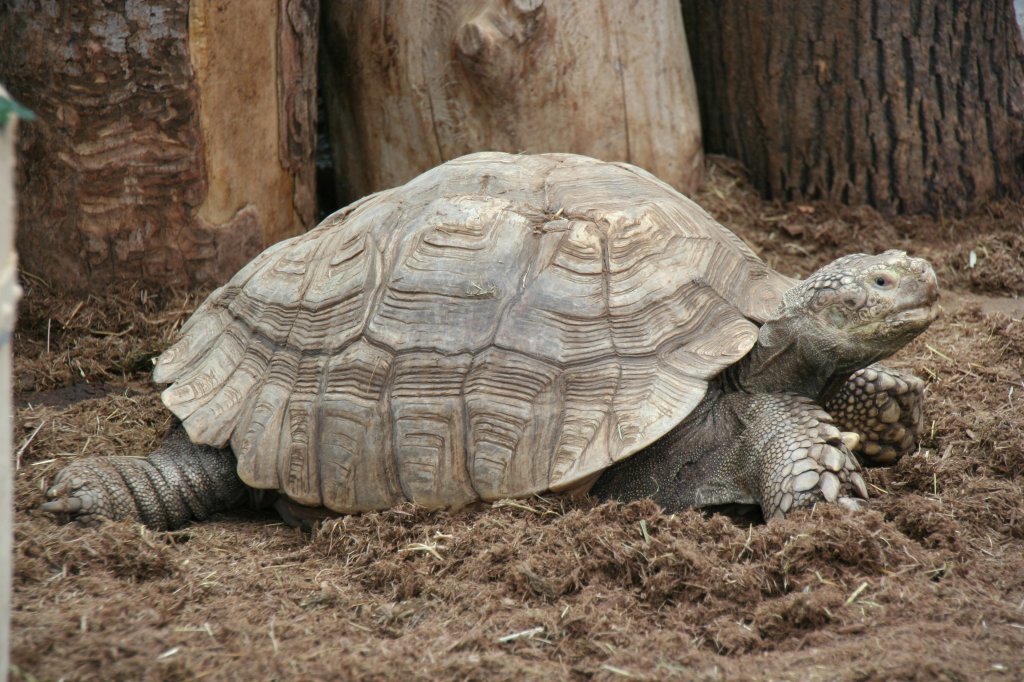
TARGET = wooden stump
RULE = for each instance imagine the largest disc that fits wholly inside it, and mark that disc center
(409, 85)
(174, 141)
(911, 106)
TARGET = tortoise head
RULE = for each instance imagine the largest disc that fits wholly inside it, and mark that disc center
(865, 307)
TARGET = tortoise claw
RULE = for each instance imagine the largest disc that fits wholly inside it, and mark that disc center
(64, 505)
(852, 503)
(74, 508)
(77, 494)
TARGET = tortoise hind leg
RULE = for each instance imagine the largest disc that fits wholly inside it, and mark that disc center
(179, 482)
(884, 407)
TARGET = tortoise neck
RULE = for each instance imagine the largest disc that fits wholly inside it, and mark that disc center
(788, 359)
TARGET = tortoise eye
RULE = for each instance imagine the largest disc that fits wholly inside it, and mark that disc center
(883, 281)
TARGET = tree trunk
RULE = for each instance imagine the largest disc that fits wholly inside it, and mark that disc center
(911, 107)
(409, 85)
(174, 141)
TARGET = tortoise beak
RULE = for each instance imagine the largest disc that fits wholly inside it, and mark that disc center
(917, 303)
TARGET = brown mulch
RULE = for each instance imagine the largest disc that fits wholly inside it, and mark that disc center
(926, 585)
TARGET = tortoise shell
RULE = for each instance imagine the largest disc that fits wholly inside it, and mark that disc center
(501, 325)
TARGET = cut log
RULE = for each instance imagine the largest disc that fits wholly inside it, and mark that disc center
(911, 106)
(174, 141)
(409, 85)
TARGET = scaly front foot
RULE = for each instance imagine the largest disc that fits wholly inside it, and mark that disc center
(804, 458)
(884, 407)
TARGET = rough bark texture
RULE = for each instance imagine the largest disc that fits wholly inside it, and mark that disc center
(409, 85)
(174, 139)
(908, 106)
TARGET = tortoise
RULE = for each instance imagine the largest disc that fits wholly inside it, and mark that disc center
(506, 325)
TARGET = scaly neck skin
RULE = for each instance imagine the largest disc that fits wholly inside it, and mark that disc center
(788, 359)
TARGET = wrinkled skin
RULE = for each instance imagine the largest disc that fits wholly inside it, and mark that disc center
(786, 427)
(763, 435)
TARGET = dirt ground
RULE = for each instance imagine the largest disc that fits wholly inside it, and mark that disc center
(926, 585)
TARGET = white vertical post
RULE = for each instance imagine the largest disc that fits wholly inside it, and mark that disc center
(9, 294)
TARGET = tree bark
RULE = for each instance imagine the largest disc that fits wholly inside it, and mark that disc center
(409, 85)
(911, 107)
(174, 141)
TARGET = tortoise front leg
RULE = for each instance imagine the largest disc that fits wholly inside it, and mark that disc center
(797, 456)
(778, 451)
(884, 407)
(179, 482)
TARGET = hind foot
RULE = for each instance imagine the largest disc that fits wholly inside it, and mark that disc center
(179, 482)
